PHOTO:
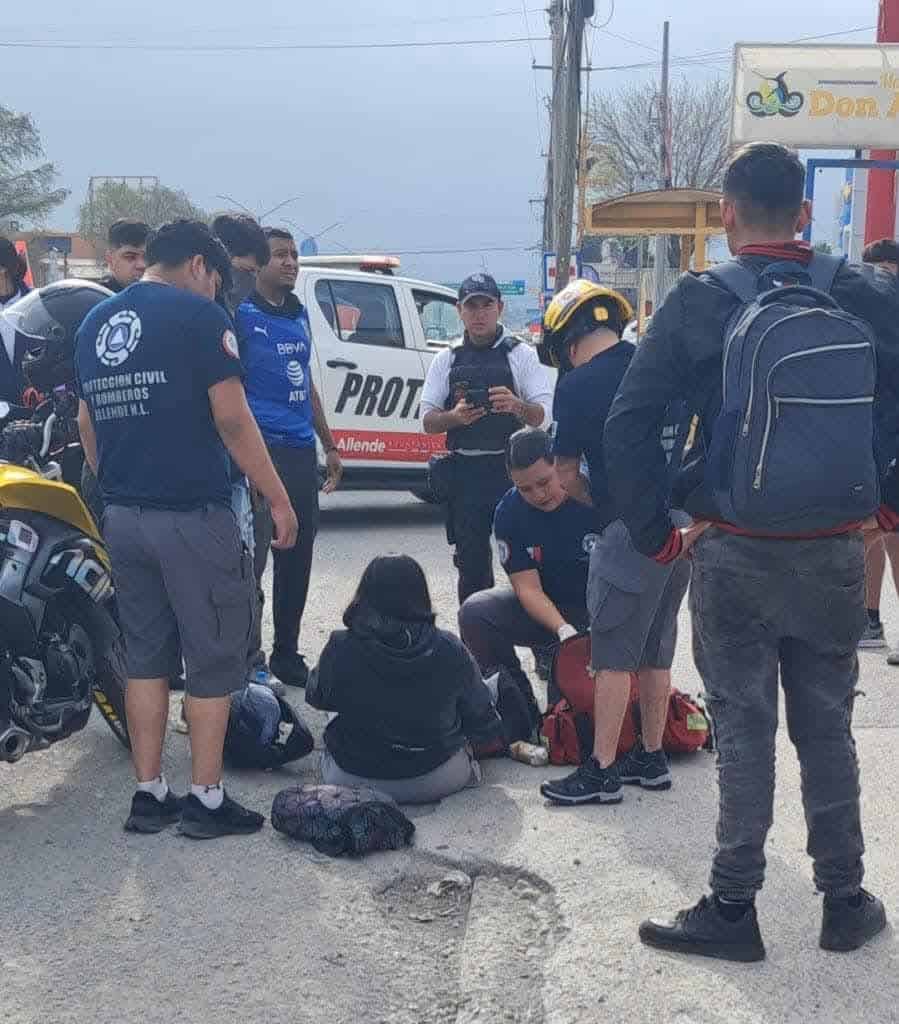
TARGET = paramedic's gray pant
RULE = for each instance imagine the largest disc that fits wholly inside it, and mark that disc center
(760, 606)
(459, 772)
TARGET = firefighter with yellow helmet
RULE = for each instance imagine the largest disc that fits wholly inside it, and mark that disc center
(632, 600)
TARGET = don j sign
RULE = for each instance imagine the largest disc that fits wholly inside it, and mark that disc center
(833, 97)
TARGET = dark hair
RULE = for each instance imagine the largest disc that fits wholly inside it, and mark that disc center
(527, 447)
(128, 231)
(277, 233)
(181, 240)
(883, 251)
(241, 235)
(767, 182)
(394, 586)
(12, 261)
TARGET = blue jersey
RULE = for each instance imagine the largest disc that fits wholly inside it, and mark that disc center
(275, 347)
(144, 363)
(557, 544)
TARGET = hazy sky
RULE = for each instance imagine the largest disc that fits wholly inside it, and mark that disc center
(411, 149)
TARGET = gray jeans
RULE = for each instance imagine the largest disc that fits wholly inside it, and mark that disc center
(795, 607)
(461, 771)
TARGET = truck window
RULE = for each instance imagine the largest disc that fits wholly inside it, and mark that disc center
(440, 319)
(362, 313)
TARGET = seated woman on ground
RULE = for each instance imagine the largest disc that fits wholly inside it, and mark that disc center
(408, 696)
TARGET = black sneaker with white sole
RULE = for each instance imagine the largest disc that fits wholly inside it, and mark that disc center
(149, 815)
(590, 784)
(849, 923)
(704, 931)
(289, 667)
(649, 769)
(199, 822)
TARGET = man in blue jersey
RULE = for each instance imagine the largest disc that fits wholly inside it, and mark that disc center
(276, 346)
(162, 408)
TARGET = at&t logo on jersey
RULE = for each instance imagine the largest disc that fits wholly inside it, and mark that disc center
(295, 375)
(118, 337)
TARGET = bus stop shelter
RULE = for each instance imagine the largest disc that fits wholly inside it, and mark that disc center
(691, 214)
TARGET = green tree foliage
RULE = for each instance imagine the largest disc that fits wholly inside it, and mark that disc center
(26, 188)
(113, 200)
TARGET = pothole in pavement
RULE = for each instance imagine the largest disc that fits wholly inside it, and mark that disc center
(475, 941)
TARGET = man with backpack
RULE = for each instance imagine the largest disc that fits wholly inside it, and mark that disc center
(775, 353)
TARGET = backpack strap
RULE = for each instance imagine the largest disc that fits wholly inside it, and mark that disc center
(738, 279)
(823, 270)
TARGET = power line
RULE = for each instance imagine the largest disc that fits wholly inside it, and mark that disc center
(269, 47)
(461, 252)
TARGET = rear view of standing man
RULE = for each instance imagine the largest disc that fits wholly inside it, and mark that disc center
(479, 393)
(162, 406)
(276, 346)
(126, 258)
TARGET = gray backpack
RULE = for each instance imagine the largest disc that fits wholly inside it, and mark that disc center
(792, 450)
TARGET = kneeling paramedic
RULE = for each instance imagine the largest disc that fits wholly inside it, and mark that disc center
(479, 393)
(544, 539)
(633, 601)
(162, 406)
(784, 475)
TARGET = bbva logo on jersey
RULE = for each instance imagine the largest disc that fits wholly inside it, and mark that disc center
(118, 337)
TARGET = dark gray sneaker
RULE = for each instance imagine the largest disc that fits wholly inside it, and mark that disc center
(704, 931)
(198, 822)
(590, 784)
(639, 767)
(848, 924)
(149, 815)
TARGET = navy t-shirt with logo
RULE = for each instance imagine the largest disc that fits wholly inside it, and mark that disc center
(581, 407)
(557, 544)
(144, 362)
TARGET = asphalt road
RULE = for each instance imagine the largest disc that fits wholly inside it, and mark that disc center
(103, 926)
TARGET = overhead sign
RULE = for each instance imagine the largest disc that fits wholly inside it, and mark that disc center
(517, 287)
(824, 96)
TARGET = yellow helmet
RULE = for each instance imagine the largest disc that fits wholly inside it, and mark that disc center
(581, 307)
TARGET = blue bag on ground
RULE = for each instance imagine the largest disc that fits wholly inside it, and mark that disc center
(793, 448)
(264, 731)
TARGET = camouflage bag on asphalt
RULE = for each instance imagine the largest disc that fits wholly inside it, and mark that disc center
(339, 820)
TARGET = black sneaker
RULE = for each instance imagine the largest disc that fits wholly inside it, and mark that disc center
(290, 668)
(150, 815)
(590, 784)
(639, 767)
(849, 923)
(705, 931)
(198, 822)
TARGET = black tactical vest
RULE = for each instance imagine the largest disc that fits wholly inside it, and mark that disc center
(479, 368)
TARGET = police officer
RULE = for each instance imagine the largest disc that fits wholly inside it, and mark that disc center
(479, 393)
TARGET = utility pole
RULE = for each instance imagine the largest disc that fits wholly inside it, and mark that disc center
(568, 108)
(555, 26)
(661, 253)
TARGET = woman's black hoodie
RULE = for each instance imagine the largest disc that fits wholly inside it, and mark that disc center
(407, 695)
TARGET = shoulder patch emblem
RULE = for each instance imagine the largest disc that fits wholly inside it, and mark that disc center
(229, 344)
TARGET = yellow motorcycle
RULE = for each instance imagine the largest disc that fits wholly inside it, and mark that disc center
(61, 649)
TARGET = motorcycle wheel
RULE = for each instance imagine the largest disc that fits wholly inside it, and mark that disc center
(793, 104)
(756, 104)
(109, 692)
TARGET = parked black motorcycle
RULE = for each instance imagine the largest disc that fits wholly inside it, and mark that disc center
(60, 644)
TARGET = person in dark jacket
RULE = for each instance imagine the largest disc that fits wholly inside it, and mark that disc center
(12, 344)
(408, 696)
(126, 253)
(762, 606)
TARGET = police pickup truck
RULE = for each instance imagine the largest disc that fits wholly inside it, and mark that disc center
(374, 334)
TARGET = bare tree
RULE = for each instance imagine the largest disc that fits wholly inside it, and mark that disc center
(624, 138)
(25, 192)
(115, 199)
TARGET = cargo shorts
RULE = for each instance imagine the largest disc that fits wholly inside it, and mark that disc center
(633, 602)
(184, 588)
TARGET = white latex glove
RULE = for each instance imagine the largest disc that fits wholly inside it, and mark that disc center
(566, 631)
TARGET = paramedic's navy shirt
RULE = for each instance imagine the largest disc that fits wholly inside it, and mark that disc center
(556, 544)
(581, 407)
(144, 362)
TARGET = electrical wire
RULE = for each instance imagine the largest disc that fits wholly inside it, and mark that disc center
(267, 47)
